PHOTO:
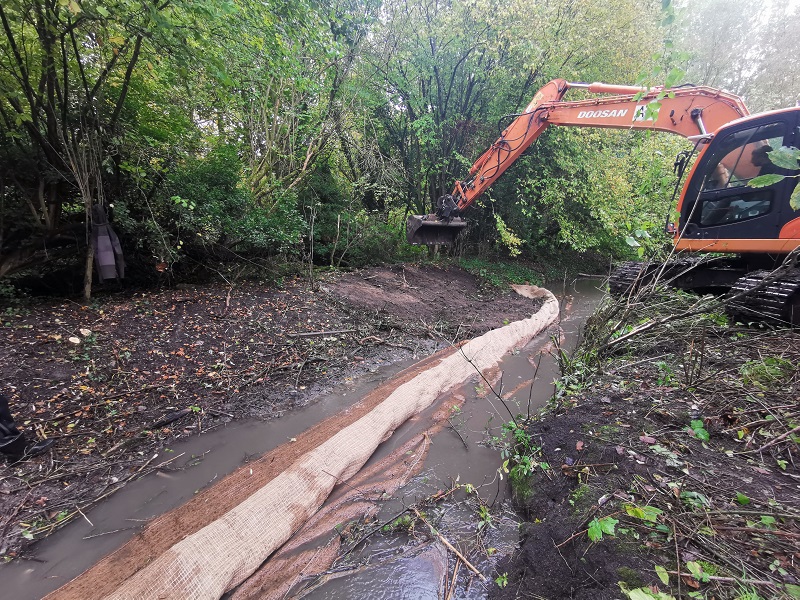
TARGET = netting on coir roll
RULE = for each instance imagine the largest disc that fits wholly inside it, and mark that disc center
(219, 556)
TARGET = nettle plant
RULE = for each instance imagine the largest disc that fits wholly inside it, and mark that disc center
(786, 158)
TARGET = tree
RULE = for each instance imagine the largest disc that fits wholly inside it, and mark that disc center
(66, 70)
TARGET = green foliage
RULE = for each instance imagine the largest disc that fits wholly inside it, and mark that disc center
(501, 273)
(521, 457)
(590, 189)
(598, 527)
(785, 158)
(766, 372)
(699, 431)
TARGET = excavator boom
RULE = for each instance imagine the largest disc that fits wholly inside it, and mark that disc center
(687, 111)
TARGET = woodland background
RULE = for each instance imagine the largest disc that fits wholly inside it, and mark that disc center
(221, 136)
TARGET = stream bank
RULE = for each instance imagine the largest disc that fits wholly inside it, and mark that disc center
(672, 453)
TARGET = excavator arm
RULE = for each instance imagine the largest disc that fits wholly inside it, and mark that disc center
(688, 111)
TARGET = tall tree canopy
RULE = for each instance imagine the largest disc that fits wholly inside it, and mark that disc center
(209, 128)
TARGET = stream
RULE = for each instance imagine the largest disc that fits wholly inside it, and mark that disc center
(393, 566)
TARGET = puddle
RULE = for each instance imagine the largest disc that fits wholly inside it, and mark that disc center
(384, 567)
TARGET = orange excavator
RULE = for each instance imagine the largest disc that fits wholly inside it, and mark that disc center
(755, 227)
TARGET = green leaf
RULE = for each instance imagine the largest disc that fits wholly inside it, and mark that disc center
(742, 499)
(640, 594)
(662, 574)
(702, 434)
(607, 524)
(785, 157)
(595, 531)
(792, 590)
(102, 11)
(794, 201)
(674, 77)
(765, 180)
(645, 513)
(695, 569)
(631, 242)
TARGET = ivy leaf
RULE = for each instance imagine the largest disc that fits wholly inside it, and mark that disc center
(785, 157)
(662, 574)
(765, 180)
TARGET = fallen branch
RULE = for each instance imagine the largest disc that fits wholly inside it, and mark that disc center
(780, 438)
(315, 333)
(450, 546)
(734, 579)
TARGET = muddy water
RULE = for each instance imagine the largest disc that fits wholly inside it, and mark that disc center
(395, 566)
(198, 462)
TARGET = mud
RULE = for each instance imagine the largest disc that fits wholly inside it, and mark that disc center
(447, 448)
(120, 380)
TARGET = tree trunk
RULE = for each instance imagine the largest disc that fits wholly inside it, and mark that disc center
(87, 275)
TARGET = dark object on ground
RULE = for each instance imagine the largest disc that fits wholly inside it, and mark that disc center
(12, 440)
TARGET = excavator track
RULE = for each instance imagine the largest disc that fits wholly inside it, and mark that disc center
(630, 276)
(777, 301)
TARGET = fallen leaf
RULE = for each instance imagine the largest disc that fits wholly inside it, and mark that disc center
(74, 340)
(690, 581)
(85, 332)
(647, 439)
(579, 446)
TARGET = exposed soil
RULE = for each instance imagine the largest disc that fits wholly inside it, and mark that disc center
(114, 381)
(679, 457)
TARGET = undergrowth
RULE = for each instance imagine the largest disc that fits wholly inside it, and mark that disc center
(710, 407)
(500, 274)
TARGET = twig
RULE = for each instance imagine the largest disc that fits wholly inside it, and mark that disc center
(776, 440)
(314, 333)
(453, 580)
(735, 580)
(89, 537)
(450, 546)
(677, 556)
(78, 508)
(458, 433)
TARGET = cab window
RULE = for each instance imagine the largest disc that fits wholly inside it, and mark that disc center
(743, 155)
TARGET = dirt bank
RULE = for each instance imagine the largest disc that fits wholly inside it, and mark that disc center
(671, 464)
(115, 381)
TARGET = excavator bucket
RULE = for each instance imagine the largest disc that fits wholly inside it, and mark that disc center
(428, 230)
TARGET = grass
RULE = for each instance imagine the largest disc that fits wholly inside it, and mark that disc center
(501, 273)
